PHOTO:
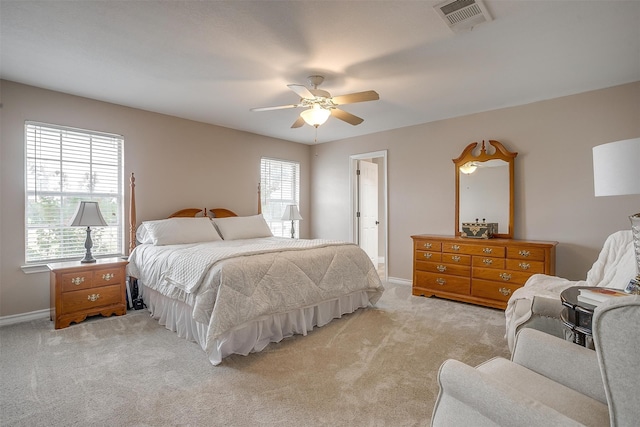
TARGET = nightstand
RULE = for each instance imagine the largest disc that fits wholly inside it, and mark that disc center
(79, 290)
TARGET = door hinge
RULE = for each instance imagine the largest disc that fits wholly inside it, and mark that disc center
(358, 172)
(357, 214)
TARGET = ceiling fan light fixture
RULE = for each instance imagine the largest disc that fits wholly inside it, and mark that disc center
(316, 115)
(468, 168)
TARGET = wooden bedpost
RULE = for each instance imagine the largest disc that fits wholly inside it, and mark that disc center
(132, 214)
(259, 200)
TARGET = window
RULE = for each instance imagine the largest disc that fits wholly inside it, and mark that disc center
(280, 186)
(64, 166)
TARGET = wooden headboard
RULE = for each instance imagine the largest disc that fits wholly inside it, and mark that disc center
(189, 212)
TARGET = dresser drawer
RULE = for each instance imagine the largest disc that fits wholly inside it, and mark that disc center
(428, 256)
(428, 245)
(528, 253)
(493, 290)
(488, 262)
(525, 265)
(456, 259)
(474, 249)
(91, 298)
(501, 276)
(442, 282)
(444, 268)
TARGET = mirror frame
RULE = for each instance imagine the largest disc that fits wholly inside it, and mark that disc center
(500, 153)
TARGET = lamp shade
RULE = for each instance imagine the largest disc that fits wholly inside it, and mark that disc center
(88, 214)
(316, 115)
(291, 213)
(616, 168)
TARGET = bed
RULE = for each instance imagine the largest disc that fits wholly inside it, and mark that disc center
(226, 283)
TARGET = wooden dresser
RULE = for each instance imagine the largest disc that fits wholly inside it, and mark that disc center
(478, 271)
(80, 290)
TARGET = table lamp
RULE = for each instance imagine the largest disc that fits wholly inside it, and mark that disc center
(616, 172)
(291, 214)
(88, 214)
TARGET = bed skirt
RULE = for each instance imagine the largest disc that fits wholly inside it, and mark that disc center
(253, 336)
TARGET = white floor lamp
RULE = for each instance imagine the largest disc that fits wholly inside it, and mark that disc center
(616, 172)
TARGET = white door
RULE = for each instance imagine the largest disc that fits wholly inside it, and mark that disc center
(368, 208)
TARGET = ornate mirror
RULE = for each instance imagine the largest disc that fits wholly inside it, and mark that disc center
(484, 187)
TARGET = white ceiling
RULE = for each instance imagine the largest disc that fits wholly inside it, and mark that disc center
(212, 61)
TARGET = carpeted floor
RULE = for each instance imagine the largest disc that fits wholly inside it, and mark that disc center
(375, 367)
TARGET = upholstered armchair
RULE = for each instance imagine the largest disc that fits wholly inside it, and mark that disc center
(550, 381)
(537, 304)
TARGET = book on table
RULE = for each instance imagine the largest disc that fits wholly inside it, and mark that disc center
(595, 296)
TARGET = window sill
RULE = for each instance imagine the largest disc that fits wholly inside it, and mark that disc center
(34, 268)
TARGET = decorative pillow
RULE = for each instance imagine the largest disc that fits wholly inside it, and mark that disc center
(242, 227)
(174, 231)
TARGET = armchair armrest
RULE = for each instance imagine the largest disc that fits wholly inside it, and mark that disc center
(470, 397)
(562, 361)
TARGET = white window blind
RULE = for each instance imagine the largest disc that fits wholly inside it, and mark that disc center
(280, 186)
(63, 167)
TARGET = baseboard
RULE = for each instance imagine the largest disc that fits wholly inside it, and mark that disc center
(399, 281)
(24, 317)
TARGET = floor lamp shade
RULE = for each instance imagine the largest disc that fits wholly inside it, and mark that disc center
(616, 168)
(88, 215)
(616, 172)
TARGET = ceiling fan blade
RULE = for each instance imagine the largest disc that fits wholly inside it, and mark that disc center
(302, 91)
(369, 95)
(279, 107)
(346, 117)
(298, 123)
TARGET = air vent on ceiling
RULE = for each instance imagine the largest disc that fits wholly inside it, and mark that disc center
(463, 15)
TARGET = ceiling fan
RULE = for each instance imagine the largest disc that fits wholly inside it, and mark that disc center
(320, 104)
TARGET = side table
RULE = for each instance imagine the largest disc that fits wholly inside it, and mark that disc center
(79, 290)
(577, 315)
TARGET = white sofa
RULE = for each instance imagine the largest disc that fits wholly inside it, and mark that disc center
(537, 304)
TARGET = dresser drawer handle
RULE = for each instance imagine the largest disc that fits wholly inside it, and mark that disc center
(524, 265)
(524, 253)
(108, 276)
(427, 255)
(505, 276)
(441, 281)
(505, 291)
(487, 250)
(441, 268)
(455, 258)
(77, 280)
(427, 245)
(487, 261)
(455, 247)
(93, 297)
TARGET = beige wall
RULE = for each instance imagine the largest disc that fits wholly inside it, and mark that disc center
(180, 163)
(553, 182)
(177, 163)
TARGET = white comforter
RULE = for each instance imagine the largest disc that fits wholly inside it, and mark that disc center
(230, 283)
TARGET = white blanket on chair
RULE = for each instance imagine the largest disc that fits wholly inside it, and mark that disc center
(614, 268)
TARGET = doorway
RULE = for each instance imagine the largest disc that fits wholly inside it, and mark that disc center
(368, 225)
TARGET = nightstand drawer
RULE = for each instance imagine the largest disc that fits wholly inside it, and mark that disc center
(77, 280)
(86, 299)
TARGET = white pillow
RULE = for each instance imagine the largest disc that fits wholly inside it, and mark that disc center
(174, 231)
(142, 235)
(242, 227)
